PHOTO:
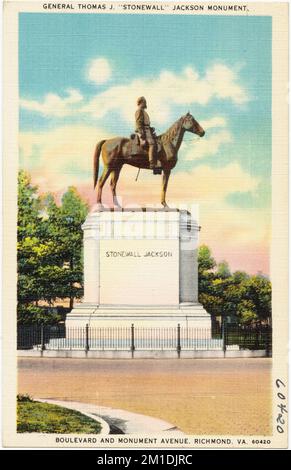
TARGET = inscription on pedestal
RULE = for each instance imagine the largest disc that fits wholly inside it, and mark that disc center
(140, 267)
(139, 272)
(140, 258)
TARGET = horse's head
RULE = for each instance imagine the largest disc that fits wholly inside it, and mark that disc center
(190, 124)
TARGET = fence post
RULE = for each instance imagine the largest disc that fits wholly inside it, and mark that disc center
(87, 338)
(132, 346)
(42, 339)
(257, 337)
(179, 340)
(268, 333)
(224, 336)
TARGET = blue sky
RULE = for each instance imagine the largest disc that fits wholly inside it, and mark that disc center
(61, 44)
(216, 67)
(55, 50)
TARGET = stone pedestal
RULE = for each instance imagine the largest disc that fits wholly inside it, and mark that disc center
(140, 266)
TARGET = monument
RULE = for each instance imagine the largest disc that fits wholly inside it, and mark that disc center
(140, 267)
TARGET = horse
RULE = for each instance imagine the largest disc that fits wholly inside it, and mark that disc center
(116, 153)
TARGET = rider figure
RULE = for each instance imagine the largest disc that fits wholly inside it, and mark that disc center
(146, 132)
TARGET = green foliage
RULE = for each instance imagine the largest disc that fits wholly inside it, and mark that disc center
(259, 293)
(33, 416)
(28, 207)
(223, 270)
(205, 261)
(49, 250)
(239, 296)
(24, 398)
(29, 313)
(246, 311)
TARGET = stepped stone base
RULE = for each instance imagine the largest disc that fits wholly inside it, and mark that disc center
(190, 315)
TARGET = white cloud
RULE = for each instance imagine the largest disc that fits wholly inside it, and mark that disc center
(214, 122)
(203, 184)
(207, 146)
(208, 187)
(164, 92)
(54, 105)
(167, 90)
(61, 154)
(224, 81)
(99, 71)
(195, 148)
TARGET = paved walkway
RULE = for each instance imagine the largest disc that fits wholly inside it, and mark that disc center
(116, 421)
(198, 396)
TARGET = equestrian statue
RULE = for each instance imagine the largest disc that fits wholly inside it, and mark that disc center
(144, 149)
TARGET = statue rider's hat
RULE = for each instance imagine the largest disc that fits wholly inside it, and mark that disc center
(140, 100)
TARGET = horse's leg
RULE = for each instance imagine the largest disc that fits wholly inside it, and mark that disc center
(166, 175)
(114, 178)
(102, 180)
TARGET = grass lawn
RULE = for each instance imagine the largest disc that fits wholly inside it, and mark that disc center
(33, 416)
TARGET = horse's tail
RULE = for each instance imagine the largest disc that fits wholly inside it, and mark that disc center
(96, 160)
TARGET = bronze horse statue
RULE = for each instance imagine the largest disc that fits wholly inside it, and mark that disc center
(116, 152)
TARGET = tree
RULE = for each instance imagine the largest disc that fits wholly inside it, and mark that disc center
(49, 249)
(223, 270)
(246, 312)
(239, 296)
(259, 294)
(29, 246)
(205, 260)
(28, 207)
(207, 294)
(63, 229)
(206, 264)
(73, 212)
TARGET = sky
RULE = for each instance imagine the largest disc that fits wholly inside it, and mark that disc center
(80, 76)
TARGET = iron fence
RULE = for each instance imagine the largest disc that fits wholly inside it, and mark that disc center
(132, 338)
(249, 337)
